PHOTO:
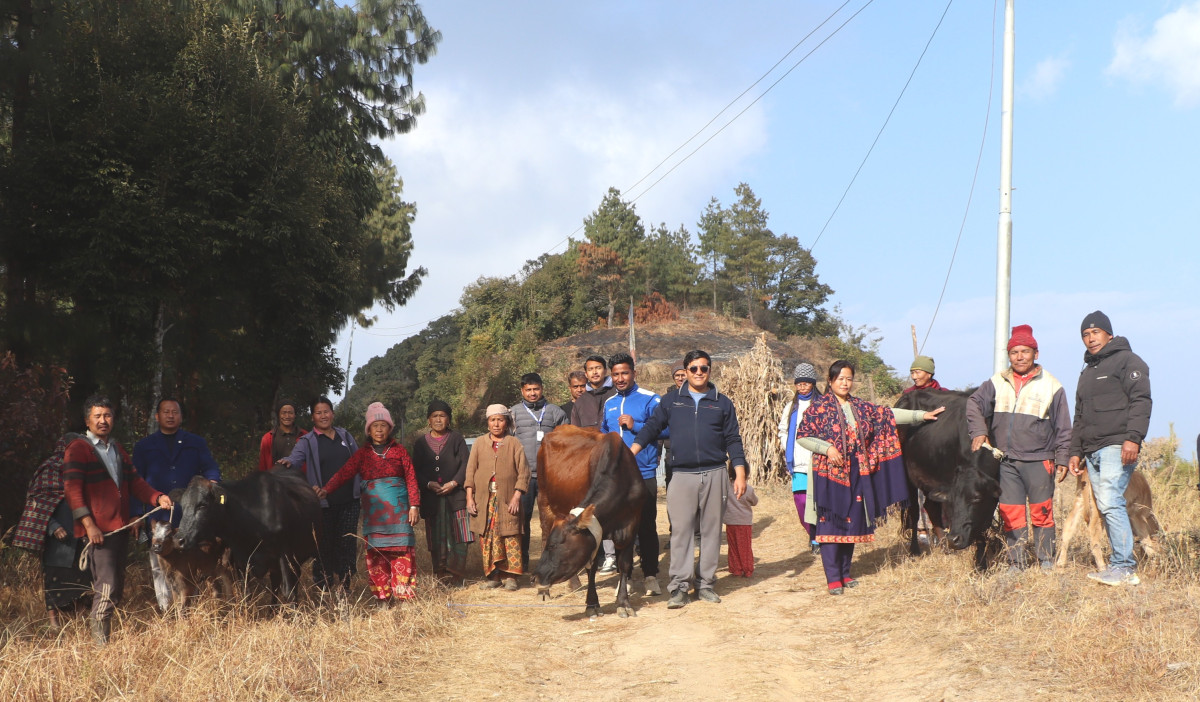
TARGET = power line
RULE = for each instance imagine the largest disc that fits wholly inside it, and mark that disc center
(723, 109)
(974, 178)
(753, 102)
(885, 124)
(739, 97)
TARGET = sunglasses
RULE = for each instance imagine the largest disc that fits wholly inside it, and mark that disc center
(698, 369)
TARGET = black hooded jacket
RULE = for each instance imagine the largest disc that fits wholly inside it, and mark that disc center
(1112, 400)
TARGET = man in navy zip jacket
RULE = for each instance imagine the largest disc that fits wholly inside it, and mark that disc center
(169, 459)
(625, 413)
(704, 434)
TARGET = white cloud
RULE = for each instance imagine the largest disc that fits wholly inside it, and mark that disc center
(500, 180)
(1169, 54)
(1046, 77)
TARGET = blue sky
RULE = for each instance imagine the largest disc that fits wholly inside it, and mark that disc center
(536, 108)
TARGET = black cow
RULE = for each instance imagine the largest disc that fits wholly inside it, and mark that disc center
(939, 461)
(589, 489)
(269, 521)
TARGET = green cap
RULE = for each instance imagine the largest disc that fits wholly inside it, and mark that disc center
(924, 363)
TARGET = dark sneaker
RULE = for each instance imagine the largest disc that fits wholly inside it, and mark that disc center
(708, 595)
(836, 590)
(678, 599)
(850, 582)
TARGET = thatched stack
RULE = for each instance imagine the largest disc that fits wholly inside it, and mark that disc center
(758, 389)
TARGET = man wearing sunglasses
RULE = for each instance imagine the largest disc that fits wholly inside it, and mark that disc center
(704, 435)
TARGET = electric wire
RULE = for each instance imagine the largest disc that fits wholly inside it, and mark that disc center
(974, 178)
(882, 128)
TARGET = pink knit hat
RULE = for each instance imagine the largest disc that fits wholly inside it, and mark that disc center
(376, 412)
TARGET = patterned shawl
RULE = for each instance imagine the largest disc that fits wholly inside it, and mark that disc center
(45, 492)
(881, 480)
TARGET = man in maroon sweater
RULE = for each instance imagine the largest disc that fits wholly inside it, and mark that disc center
(98, 478)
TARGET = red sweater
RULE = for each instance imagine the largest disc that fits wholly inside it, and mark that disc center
(395, 463)
(89, 488)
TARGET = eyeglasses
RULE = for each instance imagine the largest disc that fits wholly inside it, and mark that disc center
(697, 369)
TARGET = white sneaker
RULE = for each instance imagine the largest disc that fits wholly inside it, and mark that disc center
(609, 565)
(652, 587)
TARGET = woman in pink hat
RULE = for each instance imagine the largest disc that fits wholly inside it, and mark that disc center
(390, 502)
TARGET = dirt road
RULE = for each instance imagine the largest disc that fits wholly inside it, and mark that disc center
(777, 635)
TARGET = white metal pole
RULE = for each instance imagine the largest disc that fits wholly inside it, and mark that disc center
(1004, 229)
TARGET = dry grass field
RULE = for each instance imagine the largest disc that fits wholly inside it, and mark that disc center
(923, 629)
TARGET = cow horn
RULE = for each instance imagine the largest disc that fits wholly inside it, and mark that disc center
(587, 520)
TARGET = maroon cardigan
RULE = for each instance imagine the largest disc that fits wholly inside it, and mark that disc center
(89, 488)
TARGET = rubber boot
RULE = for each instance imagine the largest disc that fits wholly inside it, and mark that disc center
(101, 628)
(1016, 540)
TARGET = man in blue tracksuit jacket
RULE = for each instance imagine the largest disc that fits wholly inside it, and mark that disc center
(625, 413)
(704, 434)
(168, 459)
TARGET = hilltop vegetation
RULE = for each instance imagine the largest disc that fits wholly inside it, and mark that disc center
(742, 277)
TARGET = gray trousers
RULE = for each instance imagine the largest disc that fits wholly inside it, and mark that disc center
(696, 501)
(107, 563)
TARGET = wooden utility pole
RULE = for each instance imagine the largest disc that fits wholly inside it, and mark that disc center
(916, 351)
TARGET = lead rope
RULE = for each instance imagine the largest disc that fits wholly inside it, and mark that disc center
(87, 547)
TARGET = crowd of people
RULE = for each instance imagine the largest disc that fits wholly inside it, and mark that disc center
(842, 454)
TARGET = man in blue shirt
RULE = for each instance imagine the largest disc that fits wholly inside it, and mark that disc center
(625, 413)
(169, 459)
(704, 435)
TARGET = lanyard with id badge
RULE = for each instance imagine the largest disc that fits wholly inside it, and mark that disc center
(537, 418)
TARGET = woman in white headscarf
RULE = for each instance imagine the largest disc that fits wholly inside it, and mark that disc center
(497, 476)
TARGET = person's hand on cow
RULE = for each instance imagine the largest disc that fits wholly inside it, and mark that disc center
(514, 505)
(977, 442)
(625, 421)
(932, 415)
(834, 456)
(283, 462)
(414, 515)
(1075, 465)
(1129, 453)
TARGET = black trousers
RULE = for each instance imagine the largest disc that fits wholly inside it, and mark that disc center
(648, 530)
(338, 551)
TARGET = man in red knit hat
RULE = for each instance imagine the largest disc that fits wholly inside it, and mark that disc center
(1023, 409)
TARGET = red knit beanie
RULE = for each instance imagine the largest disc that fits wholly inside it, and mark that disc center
(1022, 335)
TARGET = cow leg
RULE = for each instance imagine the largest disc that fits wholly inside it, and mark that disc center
(938, 536)
(593, 599)
(288, 579)
(625, 568)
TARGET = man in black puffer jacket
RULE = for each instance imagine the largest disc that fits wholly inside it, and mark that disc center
(1112, 416)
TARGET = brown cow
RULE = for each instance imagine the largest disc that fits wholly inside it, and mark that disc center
(1138, 503)
(187, 570)
(589, 489)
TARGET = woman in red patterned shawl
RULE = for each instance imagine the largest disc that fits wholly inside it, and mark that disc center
(857, 469)
(390, 507)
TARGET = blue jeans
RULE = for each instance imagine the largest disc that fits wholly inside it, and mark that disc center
(1109, 480)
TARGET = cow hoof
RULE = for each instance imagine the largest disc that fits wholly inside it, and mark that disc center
(543, 593)
(592, 611)
(626, 612)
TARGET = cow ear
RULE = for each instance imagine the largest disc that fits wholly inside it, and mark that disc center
(938, 496)
(585, 518)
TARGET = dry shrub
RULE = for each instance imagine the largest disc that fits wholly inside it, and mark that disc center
(655, 308)
(755, 384)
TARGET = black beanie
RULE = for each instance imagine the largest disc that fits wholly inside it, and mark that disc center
(1098, 320)
(439, 406)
